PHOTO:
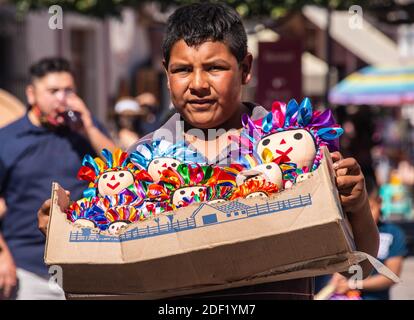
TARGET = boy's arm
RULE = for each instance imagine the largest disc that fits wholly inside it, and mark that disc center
(354, 200)
(380, 282)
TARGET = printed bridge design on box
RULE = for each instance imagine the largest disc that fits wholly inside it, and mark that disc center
(205, 215)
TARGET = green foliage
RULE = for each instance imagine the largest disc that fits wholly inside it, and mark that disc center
(247, 8)
(390, 11)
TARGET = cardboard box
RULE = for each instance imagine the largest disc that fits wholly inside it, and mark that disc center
(300, 232)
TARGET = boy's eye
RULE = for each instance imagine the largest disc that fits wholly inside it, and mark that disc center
(216, 68)
(181, 70)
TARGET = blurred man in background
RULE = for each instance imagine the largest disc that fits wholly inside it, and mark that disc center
(45, 145)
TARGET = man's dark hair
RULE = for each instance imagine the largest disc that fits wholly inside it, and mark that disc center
(200, 22)
(49, 65)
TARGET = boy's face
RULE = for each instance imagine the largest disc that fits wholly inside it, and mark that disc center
(205, 82)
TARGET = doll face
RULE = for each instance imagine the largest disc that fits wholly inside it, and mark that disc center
(117, 226)
(156, 166)
(85, 223)
(269, 172)
(258, 194)
(295, 146)
(111, 183)
(303, 177)
(188, 192)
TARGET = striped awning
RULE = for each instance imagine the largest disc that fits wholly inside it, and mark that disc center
(376, 85)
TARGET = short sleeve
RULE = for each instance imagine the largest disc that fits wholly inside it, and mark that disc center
(398, 247)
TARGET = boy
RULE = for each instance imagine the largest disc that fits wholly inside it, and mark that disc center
(207, 63)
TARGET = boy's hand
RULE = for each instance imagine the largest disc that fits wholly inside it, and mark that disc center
(8, 278)
(340, 283)
(43, 216)
(350, 182)
(44, 213)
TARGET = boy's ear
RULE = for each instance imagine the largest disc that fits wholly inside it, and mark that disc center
(164, 63)
(247, 68)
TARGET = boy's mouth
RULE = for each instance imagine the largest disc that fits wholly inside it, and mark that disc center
(201, 103)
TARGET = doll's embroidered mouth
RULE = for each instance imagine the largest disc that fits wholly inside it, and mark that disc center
(283, 155)
(113, 186)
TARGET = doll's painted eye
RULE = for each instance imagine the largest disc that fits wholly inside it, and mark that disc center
(298, 136)
(266, 142)
(268, 167)
(182, 192)
(105, 176)
(173, 165)
(121, 175)
(156, 161)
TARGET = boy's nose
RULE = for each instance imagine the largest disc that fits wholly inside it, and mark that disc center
(198, 81)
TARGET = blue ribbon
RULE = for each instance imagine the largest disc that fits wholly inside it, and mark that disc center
(90, 162)
(291, 109)
(330, 133)
(108, 157)
(89, 193)
(267, 123)
(305, 112)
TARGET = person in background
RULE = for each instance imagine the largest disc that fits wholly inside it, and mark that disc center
(391, 253)
(128, 114)
(135, 117)
(151, 120)
(47, 144)
(396, 198)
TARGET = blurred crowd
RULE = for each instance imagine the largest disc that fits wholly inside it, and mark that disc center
(380, 139)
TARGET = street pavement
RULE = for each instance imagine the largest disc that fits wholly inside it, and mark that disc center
(405, 289)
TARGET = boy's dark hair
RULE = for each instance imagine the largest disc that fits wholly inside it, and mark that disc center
(49, 65)
(200, 22)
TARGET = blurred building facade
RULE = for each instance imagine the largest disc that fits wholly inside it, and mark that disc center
(117, 57)
(110, 57)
